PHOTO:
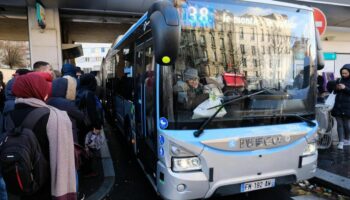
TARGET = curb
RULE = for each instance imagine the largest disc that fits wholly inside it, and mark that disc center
(108, 172)
(338, 183)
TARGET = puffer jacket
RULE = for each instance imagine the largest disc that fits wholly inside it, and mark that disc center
(60, 91)
(342, 101)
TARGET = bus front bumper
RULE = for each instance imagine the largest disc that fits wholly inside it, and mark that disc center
(194, 185)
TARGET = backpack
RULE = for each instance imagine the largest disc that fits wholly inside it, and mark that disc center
(23, 166)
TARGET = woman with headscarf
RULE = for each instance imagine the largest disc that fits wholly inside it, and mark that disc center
(54, 134)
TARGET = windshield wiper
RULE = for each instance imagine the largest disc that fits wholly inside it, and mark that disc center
(308, 121)
(200, 130)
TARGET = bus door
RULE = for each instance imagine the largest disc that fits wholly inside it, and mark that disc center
(145, 111)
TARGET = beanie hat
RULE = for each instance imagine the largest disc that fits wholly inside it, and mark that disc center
(190, 73)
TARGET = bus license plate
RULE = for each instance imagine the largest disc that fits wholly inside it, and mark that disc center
(257, 185)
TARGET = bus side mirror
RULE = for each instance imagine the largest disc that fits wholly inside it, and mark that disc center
(320, 60)
(165, 25)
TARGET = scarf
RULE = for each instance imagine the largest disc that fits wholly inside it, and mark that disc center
(62, 164)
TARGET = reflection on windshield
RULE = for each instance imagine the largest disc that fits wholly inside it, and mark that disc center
(230, 50)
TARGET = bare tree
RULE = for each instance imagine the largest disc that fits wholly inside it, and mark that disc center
(12, 54)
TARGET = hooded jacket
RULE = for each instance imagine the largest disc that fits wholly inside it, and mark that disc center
(342, 101)
(86, 99)
(63, 98)
(68, 69)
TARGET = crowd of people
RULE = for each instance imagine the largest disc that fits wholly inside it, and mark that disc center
(69, 133)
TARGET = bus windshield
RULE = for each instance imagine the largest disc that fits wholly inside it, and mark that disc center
(230, 50)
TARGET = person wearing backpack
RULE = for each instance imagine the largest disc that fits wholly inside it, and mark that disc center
(53, 144)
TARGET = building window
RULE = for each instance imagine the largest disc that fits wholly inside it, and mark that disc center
(244, 62)
(222, 43)
(203, 39)
(245, 73)
(224, 59)
(253, 34)
(214, 55)
(255, 62)
(257, 74)
(262, 35)
(103, 50)
(194, 36)
(212, 40)
(241, 33)
(242, 49)
(87, 59)
(270, 50)
(253, 50)
(263, 49)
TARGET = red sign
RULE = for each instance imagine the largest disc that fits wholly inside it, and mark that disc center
(320, 21)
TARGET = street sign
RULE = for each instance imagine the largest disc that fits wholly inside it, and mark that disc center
(320, 21)
(330, 56)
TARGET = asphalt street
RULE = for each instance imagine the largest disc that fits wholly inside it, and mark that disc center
(131, 183)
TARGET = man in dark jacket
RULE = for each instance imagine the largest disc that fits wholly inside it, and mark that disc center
(341, 109)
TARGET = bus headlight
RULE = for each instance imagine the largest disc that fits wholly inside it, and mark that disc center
(186, 164)
(310, 149)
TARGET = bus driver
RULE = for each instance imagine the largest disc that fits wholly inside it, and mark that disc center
(190, 93)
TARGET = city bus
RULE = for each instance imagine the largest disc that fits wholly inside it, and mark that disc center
(216, 98)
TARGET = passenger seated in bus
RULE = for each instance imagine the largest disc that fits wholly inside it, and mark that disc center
(190, 93)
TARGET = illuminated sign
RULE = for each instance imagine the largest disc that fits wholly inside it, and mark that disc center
(197, 16)
(330, 56)
(40, 15)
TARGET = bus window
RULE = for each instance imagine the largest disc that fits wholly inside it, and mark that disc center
(149, 83)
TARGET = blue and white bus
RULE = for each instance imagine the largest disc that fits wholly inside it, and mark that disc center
(217, 97)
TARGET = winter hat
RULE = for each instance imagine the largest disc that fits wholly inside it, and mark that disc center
(190, 73)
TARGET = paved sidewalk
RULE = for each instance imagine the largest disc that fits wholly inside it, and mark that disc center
(334, 168)
(98, 187)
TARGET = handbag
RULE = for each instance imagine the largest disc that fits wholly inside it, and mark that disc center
(94, 141)
(329, 103)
